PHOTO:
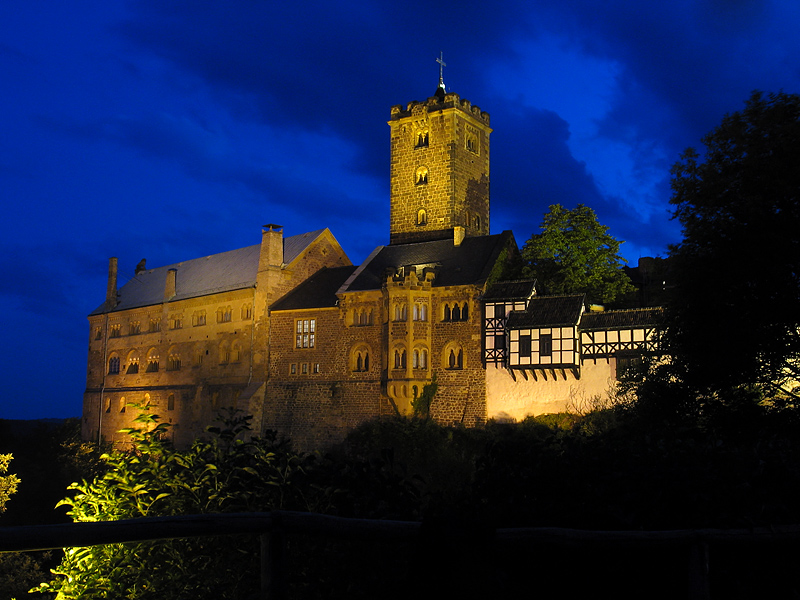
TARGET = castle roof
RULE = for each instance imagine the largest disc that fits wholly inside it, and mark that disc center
(621, 319)
(318, 291)
(548, 311)
(232, 270)
(511, 290)
(467, 264)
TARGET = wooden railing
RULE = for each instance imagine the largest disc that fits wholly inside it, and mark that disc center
(274, 526)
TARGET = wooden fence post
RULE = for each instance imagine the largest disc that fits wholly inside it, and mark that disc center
(273, 580)
(698, 571)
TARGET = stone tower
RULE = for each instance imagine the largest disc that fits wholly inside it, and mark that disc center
(439, 170)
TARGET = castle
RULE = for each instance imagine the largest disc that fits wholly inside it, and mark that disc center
(291, 332)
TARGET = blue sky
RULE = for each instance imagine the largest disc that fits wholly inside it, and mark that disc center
(174, 129)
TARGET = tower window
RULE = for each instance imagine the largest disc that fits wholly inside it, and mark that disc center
(422, 217)
(422, 139)
(421, 177)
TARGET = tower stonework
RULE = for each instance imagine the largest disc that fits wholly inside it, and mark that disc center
(439, 170)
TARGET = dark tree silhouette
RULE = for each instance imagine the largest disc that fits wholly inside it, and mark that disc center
(734, 319)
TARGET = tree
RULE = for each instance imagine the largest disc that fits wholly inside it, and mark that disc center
(575, 254)
(734, 318)
(8, 483)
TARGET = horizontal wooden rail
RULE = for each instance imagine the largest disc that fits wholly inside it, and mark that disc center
(48, 537)
(274, 526)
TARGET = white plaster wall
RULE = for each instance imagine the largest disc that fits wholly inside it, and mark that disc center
(508, 400)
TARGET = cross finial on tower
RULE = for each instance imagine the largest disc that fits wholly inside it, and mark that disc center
(442, 65)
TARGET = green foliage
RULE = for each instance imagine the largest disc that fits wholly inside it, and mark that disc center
(8, 483)
(421, 405)
(225, 474)
(734, 319)
(575, 254)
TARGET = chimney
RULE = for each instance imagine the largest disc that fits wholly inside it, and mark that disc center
(170, 285)
(111, 290)
(458, 235)
(271, 246)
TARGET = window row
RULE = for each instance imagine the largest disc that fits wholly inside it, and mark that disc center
(419, 312)
(227, 353)
(454, 311)
(223, 315)
(122, 403)
(362, 316)
(452, 357)
(304, 368)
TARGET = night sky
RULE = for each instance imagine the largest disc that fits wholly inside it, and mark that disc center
(172, 130)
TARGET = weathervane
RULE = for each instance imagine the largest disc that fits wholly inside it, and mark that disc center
(442, 65)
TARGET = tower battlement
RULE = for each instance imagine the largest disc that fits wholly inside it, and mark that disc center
(435, 103)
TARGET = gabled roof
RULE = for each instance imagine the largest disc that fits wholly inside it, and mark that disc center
(469, 263)
(318, 291)
(548, 311)
(232, 270)
(621, 319)
(511, 290)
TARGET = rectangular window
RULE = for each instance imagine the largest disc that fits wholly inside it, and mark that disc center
(546, 344)
(316, 367)
(305, 333)
(525, 345)
(293, 369)
(500, 342)
(304, 368)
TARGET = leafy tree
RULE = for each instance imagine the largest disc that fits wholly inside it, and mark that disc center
(734, 319)
(19, 571)
(8, 483)
(575, 254)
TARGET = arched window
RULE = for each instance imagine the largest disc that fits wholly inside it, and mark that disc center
(422, 217)
(174, 362)
(447, 315)
(108, 405)
(133, 364)
(420, 358)
(456, 314)
(400, 312)
(422, 138)
(400, 358)
(360, 359)
(171, 402)
(421, 176)
(122, 404)
(247, 312)
(465, 312)
(236, 352)
(224, 353)
(152, 361)
(113, 365)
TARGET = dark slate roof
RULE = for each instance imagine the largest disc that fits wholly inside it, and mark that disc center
(469, 263)
(621, 319)
(318, 291)
(232, 270)
(510, 290)
(548, 311)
